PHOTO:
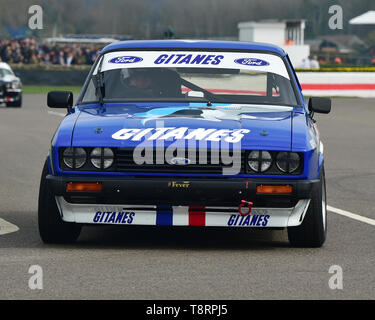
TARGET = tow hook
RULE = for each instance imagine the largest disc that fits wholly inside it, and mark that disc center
(246, 204)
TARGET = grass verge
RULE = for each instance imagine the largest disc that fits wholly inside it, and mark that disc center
(29, 89)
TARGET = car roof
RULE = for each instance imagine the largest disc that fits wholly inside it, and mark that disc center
(4, 65)
(194, 44)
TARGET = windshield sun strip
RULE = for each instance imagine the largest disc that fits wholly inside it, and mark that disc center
(297, 97)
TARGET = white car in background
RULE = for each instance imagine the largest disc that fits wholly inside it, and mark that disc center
(10, 87)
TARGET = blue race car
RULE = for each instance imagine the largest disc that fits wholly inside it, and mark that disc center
(187, 133)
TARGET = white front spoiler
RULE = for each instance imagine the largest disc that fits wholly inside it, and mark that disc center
(181, 215)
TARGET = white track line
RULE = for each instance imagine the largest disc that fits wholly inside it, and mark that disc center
(351, 215)
(56, 113)
(7, 227)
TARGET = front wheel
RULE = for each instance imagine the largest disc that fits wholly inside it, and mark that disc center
(52, 228)
(313, 230)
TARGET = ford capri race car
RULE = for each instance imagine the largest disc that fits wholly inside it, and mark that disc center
(187, 133)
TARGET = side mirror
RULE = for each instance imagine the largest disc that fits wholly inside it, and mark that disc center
(320, 105)
(60, 99)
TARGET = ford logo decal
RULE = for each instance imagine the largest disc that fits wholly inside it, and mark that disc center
(180, 161)
(252, 62)
(125, 59)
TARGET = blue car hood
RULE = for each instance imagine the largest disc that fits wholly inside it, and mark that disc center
(265, 127)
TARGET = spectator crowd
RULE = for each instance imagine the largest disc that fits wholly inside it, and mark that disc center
(29, 51)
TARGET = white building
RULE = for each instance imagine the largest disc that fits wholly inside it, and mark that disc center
(366, 18)
(287, 34)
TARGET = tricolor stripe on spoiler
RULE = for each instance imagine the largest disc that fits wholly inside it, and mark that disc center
(192, 216)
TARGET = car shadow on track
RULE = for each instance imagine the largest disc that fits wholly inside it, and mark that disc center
(149, 237)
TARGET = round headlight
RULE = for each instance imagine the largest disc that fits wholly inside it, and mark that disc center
(288, 161)
(259, 161)
(74, 158)
(102, 158)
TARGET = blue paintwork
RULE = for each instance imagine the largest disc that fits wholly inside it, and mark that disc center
(277, 123)
(290, 129)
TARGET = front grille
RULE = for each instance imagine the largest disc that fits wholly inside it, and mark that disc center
(159, 161)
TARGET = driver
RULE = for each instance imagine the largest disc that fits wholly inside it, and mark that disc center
(140, 80)
(140, 83)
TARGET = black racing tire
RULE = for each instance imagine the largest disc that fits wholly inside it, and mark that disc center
(52, 228)
(16, 104)
(313, 230)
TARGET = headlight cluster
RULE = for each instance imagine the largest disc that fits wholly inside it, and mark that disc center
(262, 161)
(77, 158)
(14, 85)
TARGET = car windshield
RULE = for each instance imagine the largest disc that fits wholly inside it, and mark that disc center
(5, 72)
(213, 77)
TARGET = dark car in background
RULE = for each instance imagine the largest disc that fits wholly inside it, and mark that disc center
(10, 87)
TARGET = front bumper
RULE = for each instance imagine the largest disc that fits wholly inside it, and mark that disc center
(9, 95)
(177, 191)
(172, 201)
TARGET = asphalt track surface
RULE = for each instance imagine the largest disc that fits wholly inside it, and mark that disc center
(112, 262)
